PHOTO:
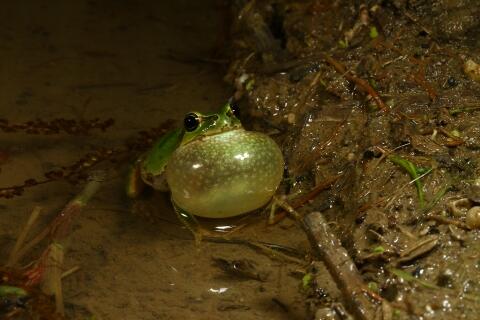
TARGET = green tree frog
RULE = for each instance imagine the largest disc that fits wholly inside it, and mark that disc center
(213, 167)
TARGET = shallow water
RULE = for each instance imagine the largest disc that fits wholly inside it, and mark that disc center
(140, 63)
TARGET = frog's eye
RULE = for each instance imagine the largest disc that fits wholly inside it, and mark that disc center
(191, 122)
(235, 109)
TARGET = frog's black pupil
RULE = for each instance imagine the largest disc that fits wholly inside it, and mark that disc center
(235, 109)
(191, 122)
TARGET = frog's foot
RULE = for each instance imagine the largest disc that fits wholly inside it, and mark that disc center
(282, 203)
(192, 224)
(135, 184)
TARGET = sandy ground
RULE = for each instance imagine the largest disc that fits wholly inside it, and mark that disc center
(112, 59)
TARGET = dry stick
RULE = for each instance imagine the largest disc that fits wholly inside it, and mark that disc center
(361, 84)
(14, 257)
(267, 248)
(29, 245)
(342, 269)
(279, 216)
(444, 220)
(52, 280)
(61, 226)
(70, 271)
(52, 229)
(60, 230)
(419, 79)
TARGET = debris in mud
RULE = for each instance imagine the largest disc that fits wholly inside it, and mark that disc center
(327, 247)
(244, 268)
(417, 250)
(472, 70)
(473, 218)
(46, 272)
(415, 173)
(19, 302)
(348, 85)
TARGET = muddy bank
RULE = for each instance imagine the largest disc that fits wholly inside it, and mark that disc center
(382, 93)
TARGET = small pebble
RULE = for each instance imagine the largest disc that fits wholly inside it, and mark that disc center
(473, 218)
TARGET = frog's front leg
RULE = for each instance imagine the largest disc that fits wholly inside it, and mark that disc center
(135, 184)
(150, 167)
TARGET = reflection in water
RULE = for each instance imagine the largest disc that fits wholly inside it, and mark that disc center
(226, 228)
(219, 290)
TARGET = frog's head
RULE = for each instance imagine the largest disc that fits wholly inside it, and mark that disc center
(197, 124)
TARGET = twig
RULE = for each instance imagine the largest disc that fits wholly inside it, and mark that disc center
(272, 250)
(419, 78)
(29, 245)
(14, 257)
(360, 83)
(444, 220)
(328, 248)
(70, 271)
(454, 140)
(52, 280)
(59, 227)
(304, 199)
(48, 269)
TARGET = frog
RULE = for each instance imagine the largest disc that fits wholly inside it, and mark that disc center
(212, 166)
